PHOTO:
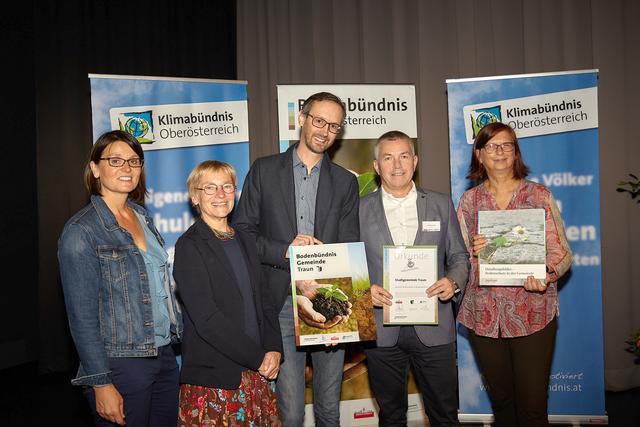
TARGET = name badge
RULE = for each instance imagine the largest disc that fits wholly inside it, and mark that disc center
(430, 225)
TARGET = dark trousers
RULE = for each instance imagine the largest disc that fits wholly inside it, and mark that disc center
(517, 373)
(149, 387)
(434, 369)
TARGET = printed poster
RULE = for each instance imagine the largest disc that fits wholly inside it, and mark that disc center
(372, 110)
(516, 246)
(180, 122)
(331, 294)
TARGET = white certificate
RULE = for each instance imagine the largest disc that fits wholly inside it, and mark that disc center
(408, 272)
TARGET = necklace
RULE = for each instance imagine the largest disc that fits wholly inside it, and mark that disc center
(224, 235)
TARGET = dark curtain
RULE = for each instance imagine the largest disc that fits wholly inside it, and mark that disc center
(18, 234)
(73, 38)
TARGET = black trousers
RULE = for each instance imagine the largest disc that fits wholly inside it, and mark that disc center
(434, 369)
(517, 373)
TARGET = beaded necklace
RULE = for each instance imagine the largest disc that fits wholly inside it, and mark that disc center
(224, 235)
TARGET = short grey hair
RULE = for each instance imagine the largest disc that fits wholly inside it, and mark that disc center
(392, 135)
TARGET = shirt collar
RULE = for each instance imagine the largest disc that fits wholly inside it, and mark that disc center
(297, 161)
(412, 194)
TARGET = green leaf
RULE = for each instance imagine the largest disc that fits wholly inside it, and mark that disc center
(339, 295)
(332, 292)
(500, 241)
(323, 291)
(367, 183)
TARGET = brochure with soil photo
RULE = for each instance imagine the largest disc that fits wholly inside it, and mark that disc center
(516, 246)
(331, 294)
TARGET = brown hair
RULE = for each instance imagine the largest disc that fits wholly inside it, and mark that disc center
(477, 172)
(203, 168)
(92, 183)
(322, 96)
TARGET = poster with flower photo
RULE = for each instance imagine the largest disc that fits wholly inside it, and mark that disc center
(515, 249)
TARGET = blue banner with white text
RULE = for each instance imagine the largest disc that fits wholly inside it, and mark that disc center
(555, 116)
(180, 123)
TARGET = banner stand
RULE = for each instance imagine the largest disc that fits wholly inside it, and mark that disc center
(179, 122)
(555, 116)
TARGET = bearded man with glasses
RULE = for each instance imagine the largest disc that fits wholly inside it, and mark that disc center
(296, 198)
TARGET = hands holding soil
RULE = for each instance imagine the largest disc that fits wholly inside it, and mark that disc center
(316, 310)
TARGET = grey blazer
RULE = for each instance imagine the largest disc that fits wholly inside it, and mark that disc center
(453, 258)
(267, 211)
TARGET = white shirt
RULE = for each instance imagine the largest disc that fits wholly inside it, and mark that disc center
(402, 216)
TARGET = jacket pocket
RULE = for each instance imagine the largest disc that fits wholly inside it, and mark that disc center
(120, 311)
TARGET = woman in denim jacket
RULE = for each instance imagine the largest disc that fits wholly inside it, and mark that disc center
(120, 303)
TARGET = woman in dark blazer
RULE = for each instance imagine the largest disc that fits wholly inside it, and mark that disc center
(232, 344)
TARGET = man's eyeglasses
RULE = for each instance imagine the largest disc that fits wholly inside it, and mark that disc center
(118, 162)
(319, 122)
(505, 147)
(212, 189)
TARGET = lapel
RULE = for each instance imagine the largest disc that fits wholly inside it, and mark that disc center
(287, 187)
(243, 247)
(381, 219)
(421, 201)
(214, 245)
(323, 196)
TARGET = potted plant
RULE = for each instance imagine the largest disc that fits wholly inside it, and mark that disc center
(633, 188)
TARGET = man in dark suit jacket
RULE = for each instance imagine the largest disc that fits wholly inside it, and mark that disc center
(301, 198)
(400, 213)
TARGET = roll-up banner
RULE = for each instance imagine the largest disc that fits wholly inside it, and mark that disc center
(371, 110)
(555, 116)
(180, 123)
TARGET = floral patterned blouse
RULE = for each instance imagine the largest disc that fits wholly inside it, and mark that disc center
(512, 311)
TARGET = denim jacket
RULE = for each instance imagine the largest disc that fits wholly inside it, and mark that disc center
(107, 293)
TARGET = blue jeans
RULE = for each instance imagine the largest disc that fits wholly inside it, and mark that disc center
(327, 363)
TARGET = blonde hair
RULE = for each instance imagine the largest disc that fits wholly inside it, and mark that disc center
(208, 166)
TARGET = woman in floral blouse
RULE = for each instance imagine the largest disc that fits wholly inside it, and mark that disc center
(512, 329)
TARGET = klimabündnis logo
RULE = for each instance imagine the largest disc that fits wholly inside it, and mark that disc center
(139, 124)
(481, 117)
(291, 115)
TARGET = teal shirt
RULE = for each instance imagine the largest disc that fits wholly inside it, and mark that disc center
(155, 259)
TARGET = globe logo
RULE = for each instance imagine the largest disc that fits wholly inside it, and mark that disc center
(136, 126)
(483, 116)
(139, 124)
(484, 119)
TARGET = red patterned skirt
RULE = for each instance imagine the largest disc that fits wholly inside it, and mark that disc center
(253, 404)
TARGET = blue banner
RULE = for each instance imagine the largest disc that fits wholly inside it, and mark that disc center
(555, 116)
(180, 123)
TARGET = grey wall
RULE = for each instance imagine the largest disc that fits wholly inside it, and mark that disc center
(426, 42)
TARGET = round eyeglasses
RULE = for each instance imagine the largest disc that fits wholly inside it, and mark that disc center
(212, 189)
(505, 147)
(117, 162)
(319, 122)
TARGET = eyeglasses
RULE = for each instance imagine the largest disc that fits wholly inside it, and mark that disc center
(212, 189)
(505, 147)
(117, 162)
(319, 122)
